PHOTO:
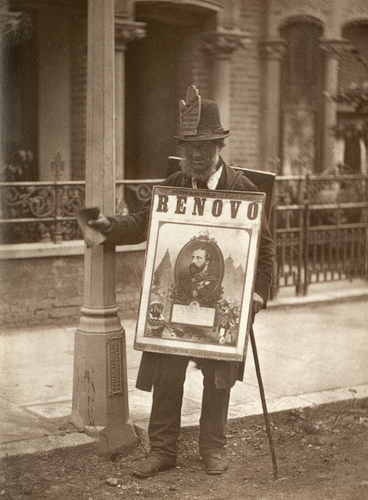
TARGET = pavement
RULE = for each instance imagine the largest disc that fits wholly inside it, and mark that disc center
(312, 350)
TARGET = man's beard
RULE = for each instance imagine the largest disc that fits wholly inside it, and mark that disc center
(202, 172)
(194, 269)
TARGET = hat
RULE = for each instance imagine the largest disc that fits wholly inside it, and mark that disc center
(199, 118)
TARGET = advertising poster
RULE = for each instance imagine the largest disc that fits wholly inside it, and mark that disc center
(199, 275)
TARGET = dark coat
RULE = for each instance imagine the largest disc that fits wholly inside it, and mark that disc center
(132, 229)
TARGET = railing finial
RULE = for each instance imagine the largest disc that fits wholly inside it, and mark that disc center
(57, 166)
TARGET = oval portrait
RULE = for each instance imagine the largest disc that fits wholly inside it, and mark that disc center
(199, 271)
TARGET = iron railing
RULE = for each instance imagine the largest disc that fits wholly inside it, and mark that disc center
(320, 229)
(46, 211)
(319, 223)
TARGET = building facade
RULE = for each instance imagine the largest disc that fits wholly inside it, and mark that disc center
(271, 65)
(290, 78)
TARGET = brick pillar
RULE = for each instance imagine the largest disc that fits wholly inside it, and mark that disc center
(220, 45)
(333, 50)
(272, 52)
(100, 389)
(125, 31)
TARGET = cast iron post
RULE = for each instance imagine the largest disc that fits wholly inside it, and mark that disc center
(100, 393)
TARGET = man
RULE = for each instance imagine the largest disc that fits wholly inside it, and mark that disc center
(200, 142)
(200, 284)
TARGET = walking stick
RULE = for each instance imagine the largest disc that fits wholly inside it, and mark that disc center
(263, 399)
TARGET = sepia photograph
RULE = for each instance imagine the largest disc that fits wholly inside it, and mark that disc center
(184, 249)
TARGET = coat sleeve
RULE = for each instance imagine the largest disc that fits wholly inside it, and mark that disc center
(266, 251)
(265, 263)
(133, 228)
(129, 229)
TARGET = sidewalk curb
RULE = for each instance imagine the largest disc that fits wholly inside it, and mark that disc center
(81, 442)
(330, 295)
(314, 300)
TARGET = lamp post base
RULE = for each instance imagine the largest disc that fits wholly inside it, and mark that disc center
(100, 389)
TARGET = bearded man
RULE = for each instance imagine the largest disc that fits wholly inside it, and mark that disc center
(201, 167)
(199, 284)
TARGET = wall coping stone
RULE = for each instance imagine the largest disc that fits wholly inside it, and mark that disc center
(66, 248)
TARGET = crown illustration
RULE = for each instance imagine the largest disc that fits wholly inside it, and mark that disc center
(203, 238)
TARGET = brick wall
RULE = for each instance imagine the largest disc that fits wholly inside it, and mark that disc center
(246, 90)
(51, 288)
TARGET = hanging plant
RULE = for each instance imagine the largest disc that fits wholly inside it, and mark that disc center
(352, 128)
(355, 96)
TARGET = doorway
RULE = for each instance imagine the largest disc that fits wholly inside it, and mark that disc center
(158, 70)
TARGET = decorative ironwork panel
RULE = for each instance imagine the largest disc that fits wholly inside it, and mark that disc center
(71, 200)
(336, 189)
(336, 253)
(289, 190)
(136, 193)
(319, 221)
(115, 366)
(43, 211)
(320, 229)
(29, 201)
(33, 212)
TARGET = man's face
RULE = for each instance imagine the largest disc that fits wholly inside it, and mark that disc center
(198, 261)
(199, 159)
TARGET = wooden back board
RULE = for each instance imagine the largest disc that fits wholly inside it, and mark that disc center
(265, 181)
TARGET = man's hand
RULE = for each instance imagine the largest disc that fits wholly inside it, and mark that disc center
(102, 224)
(257, 303)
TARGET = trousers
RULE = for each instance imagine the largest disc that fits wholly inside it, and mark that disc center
(165, 418)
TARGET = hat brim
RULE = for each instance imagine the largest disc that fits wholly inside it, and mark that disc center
(195, 138)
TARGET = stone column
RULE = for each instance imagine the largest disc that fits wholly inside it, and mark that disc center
(272, 51)
(333, 50)
(100, 392)
(9, 22)
(220, 45)
(125, 31)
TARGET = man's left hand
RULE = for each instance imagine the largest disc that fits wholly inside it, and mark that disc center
(257, 303)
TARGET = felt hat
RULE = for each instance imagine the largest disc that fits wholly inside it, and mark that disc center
(199, 119)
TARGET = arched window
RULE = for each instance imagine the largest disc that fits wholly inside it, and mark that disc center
(19, 99)
(352, 119)
(301, 97)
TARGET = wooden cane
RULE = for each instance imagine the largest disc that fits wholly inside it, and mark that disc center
(263, 399)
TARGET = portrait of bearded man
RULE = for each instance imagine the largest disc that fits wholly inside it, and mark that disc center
(199, 283)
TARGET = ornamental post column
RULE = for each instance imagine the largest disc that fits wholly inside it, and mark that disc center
(333, 50)
(9, 22)
(272, 52)
(220, 45)
(125, 32)
(100, 389)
